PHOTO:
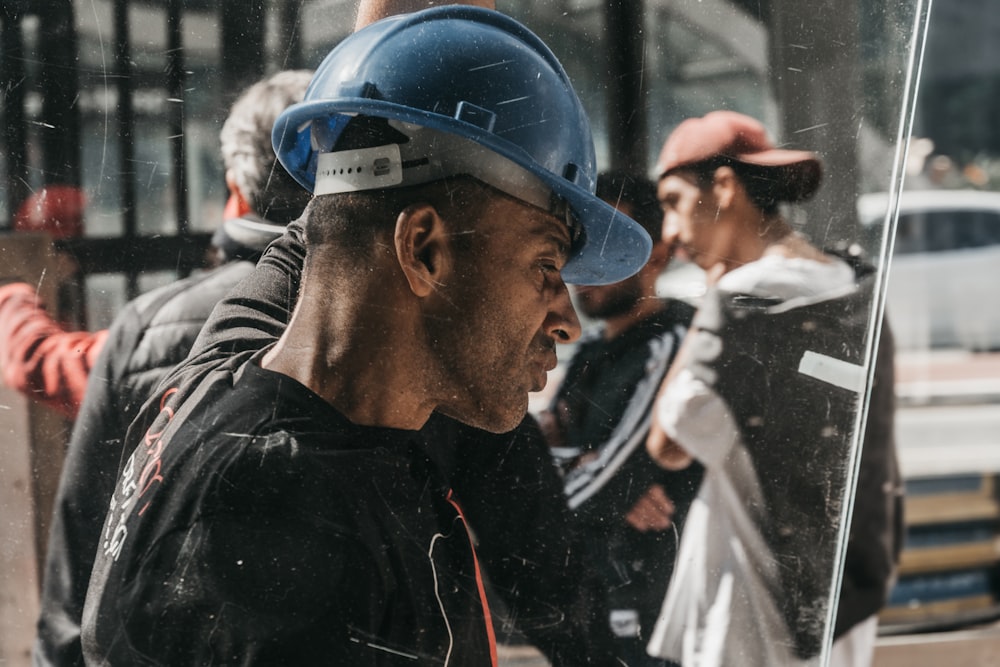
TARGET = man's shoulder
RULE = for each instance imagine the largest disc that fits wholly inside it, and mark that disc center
(155, 331)
(270, 412)
(256, 424)
(672, 315)
(277, 471)
(228, 511)
(220, 451)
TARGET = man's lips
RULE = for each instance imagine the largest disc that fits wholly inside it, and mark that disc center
(551, 360)
(546, 354)
(541, 367)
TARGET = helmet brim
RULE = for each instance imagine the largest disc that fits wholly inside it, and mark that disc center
(612, 247)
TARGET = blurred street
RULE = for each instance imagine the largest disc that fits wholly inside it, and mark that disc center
(948, 420)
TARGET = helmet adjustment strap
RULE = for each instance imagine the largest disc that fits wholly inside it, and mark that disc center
(431, 155)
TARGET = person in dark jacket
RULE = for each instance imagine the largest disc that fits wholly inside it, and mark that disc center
(449, 297)
(151, 335)
(628, 510)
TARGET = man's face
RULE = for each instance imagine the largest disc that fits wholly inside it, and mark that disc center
(503, 313)
(604, 301)
(601, 302)
(690, 215)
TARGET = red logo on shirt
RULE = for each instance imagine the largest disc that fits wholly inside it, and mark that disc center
(115, 531)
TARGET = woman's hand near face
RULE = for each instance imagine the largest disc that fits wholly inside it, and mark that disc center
(667, 453)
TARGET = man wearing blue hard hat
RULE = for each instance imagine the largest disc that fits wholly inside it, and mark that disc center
(290, 509)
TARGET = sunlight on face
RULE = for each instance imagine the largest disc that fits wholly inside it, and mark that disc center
(508, 308)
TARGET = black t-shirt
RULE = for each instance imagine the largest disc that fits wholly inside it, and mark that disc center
(602, 377)
(512, 495)
(262, 527)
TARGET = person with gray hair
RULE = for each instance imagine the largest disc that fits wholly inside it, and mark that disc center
(151, 335)
(263, 196)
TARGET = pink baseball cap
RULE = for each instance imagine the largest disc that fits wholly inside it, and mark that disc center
(732, 135)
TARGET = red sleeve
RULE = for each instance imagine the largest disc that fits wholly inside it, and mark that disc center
(38, 357)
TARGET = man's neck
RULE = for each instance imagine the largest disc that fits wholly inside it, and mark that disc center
(356, 361)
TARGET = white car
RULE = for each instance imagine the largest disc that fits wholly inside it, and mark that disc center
(942, 290)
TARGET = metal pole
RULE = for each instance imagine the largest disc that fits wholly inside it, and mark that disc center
(126, 133)
(627, 133)
(12, 80)
(288, 24)
(175, 87)
(60, 127)
(815, 56)
(242, 24)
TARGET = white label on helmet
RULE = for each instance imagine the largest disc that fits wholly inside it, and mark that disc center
(362, 169)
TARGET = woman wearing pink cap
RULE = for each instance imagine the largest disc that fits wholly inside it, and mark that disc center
(764, 394)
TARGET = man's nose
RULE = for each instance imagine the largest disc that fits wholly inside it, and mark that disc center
(562, 324)
(670, 229)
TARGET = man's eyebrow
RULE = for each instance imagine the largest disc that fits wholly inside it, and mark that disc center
(561, 245)
(543, 225)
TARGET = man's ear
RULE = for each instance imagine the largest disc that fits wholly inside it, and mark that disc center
(422, 248)
(724, 185)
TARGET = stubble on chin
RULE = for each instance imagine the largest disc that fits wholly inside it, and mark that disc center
(495, 413)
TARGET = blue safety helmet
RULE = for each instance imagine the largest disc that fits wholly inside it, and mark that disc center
(485, 80)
